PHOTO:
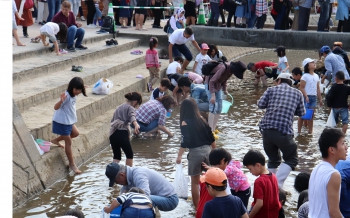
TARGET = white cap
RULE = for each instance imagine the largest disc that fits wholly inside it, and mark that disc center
(308, 60)
(285, 76)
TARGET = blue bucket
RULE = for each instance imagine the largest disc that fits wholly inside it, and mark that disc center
(308, 114)
(226, 105)
(115, 213)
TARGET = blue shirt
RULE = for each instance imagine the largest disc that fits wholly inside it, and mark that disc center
(333, 64)
(344, 169)
(198, 93)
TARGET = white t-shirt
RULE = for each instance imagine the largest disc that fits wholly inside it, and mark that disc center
(67, 113)
(311, 83)
(172, 67)
(201, 60)
(216, 58)
(282, 64)
(177, 37)
(50, 28)
(318, 201)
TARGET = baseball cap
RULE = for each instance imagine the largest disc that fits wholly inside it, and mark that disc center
(325, 48)
(308, 60)
(280, 48)
(214, 176)
(204, 46)
(112, 170)
(285, 76)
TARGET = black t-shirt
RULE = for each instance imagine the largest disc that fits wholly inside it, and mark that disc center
(338, 96)
(193, 138)
(224, 207)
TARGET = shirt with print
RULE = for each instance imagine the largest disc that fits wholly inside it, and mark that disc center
(238, 181)
(201, 60)
(67, 113)
(266, 189)
(260, 8)
(282, 103)
(172, 67)
(151, 110)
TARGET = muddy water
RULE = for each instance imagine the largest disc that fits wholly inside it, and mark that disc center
(239, 133)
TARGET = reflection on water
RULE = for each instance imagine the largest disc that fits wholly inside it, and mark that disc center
(239, 133)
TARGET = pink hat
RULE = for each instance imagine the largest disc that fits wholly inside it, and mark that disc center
(204, 46)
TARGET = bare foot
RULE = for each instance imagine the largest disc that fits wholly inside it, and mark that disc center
(53, 141)
(20, 44)
(75, 169)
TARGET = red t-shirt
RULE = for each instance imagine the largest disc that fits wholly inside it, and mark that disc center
(263, 64)
(60, 17)
(266, 188)
(204, 197)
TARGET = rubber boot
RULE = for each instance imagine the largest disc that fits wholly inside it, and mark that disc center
(210, 22)
(282, 174)
(216, 22)
(272, 170)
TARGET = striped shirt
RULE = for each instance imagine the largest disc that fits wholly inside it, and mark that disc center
(134, 198)
(152, 59)
(282, 103)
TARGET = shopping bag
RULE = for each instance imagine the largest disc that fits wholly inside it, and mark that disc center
(331, 120)
(181, 183)
(102, 87)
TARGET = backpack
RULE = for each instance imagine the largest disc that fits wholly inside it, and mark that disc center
(207, 69)
(108, 25)
(165, 29)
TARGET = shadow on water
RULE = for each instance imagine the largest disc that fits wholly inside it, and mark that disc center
(239, 133)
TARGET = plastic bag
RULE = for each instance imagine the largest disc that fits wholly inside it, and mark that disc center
(181, 183)
(331, 120)
(102, 87)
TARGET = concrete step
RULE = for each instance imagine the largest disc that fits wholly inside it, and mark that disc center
(39, 90)
(45, 64)
(39, 118)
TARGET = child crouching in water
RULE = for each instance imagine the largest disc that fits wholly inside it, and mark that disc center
(152, 63)
(160, 91)
(64, 118)
(135, 204)
(51, 29)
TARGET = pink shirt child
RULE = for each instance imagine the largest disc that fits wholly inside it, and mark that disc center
(195, 78)
(152, 59)
(238, 181)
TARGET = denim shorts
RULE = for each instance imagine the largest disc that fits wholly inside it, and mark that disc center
(344, 115)
(132, 212)
(312, 102)
(61, 129)
(51, 37)
(217, 107)
(146, 127)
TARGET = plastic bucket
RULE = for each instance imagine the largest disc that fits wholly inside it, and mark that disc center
(226, 105)
(308, 114)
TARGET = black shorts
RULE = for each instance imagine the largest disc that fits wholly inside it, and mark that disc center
(141, 11)
(190, 9)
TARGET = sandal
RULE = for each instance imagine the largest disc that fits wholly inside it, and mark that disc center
(112, 42)
(35, 40)
(163, 57)
(137, 52)
(77, 69)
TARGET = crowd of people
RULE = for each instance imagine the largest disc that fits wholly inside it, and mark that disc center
(223, 190)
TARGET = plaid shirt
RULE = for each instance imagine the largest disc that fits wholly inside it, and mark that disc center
(260, 7)
(281, 102)
(150, 111)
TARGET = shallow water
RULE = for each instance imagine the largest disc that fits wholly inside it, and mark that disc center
(239, 133)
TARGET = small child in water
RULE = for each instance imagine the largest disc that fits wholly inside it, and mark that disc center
(135, 204)
(160, 91)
